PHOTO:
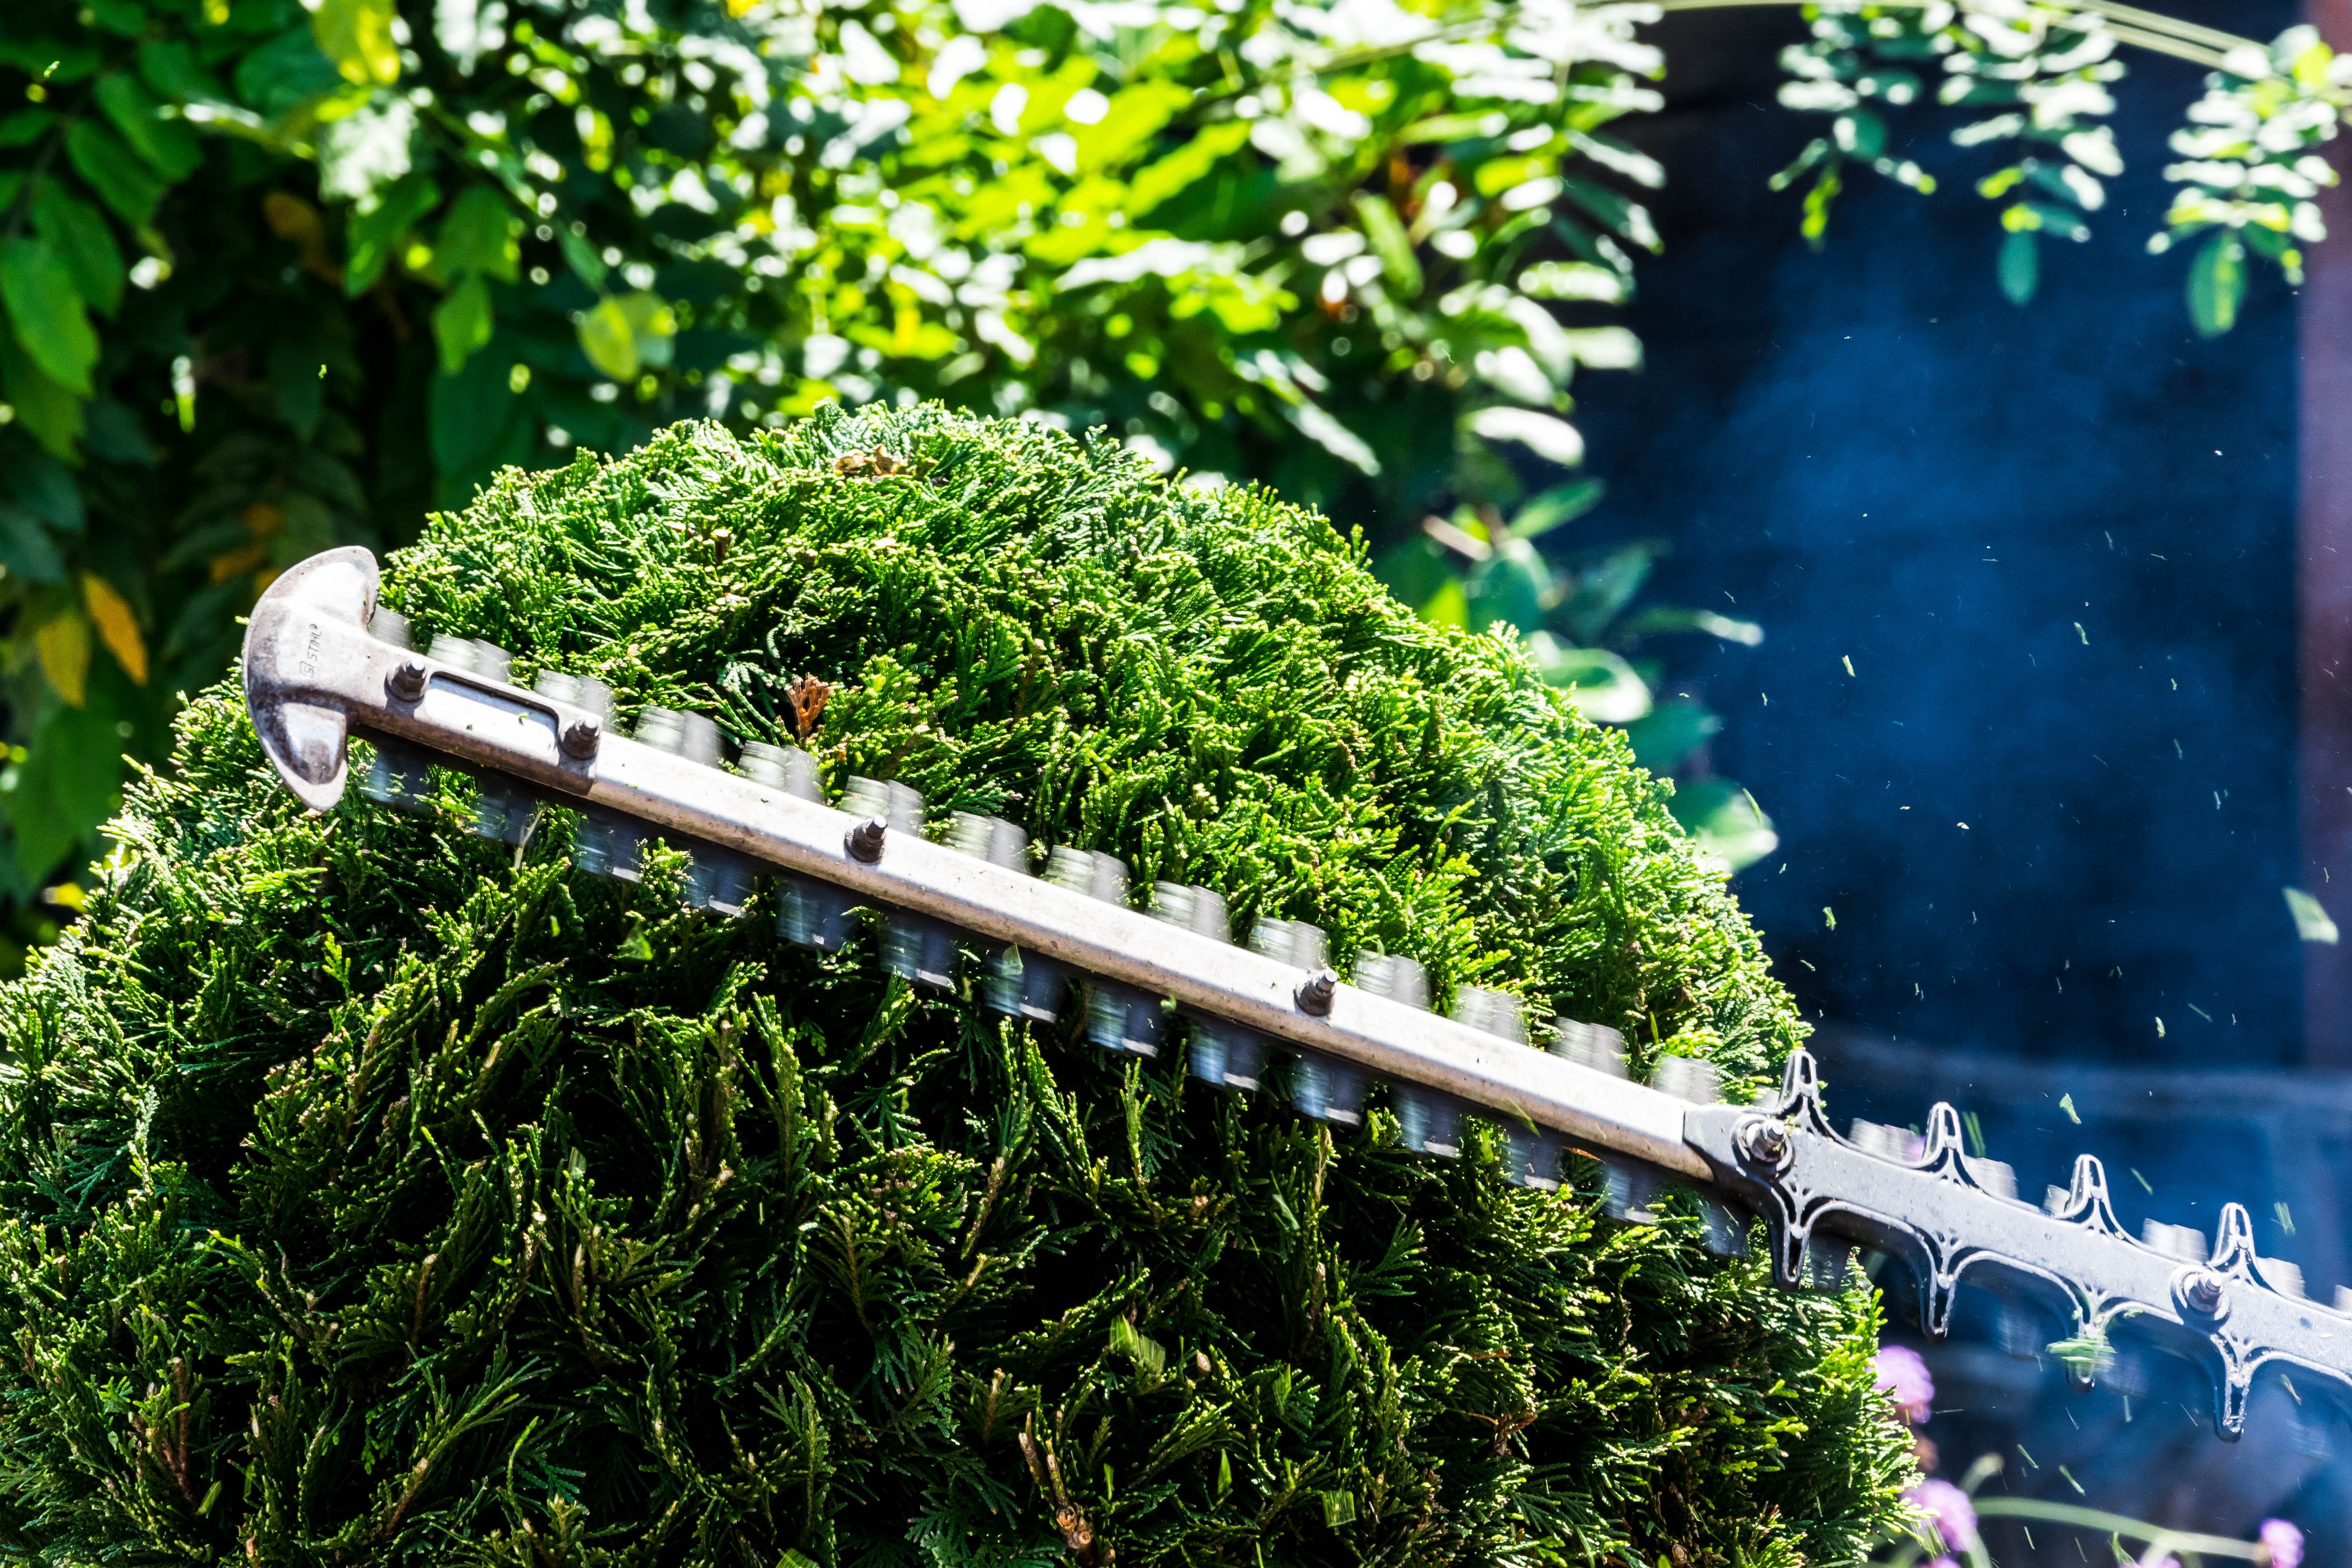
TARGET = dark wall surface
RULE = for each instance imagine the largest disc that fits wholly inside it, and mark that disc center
(2054, 802)
(2056, 544)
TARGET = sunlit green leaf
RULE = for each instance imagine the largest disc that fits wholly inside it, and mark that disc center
(77, 232)
(47, 312)
(610, 341)
(49, 411)
(123, 180)
(357, 35)
(1553, 439)
(1389, 242)
(1559, 505)
(378, 227)
(481, 235)
(1603, 687)
(1730, 828)
(462, 324)
(168, 145)
(2217, 284)
(1665, 738)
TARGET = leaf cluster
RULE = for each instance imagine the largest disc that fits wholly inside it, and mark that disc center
(373, 1193)
(273, 277)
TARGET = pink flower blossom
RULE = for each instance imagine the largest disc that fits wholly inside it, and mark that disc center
(1903, 1378)
(2284, 1543)
(1943, 1562)
(2166, 1560)
(1948, 1509)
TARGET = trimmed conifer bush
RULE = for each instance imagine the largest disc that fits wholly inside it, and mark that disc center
(373, 1193)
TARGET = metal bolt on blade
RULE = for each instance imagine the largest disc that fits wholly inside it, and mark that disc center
(1766, 1143)
(407, 681)
(1315, 993)
(864, 840)
(2201, 1292)
(582, 737)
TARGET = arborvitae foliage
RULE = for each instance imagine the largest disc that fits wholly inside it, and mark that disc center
(375, 1193)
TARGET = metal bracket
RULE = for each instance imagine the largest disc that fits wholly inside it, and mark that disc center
(1937, 1213)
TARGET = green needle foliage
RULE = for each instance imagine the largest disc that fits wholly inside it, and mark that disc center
(376, 1194)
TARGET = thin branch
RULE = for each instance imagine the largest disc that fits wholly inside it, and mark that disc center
(2117, 1524)
(2150, 30)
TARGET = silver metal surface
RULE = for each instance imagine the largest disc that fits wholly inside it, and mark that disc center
(316, 673)
(1938, 1211)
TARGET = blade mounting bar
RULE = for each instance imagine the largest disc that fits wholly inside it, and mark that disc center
(313, 674)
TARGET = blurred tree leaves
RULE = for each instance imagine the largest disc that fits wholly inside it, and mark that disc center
(275, 277)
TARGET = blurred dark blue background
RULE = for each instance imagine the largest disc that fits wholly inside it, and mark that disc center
(2055, 541)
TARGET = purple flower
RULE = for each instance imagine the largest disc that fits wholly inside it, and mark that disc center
(1948, 1509)
(1943, 1562)
(2166, 1560)
(2283, 1542)
(1903, 1378)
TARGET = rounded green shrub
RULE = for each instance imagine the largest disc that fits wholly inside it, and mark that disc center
(372, 1192)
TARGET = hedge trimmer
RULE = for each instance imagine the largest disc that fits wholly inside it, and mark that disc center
(322, 662)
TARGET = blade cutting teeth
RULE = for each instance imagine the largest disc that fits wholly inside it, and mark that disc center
(1118, 1018)
(1628, 1190)
(1827, 1262)
(1631, 1187)
(809, 913)
(398, 777)
(1325, 1089)
(1899, 1144)
(1024, 985)
(1429, 1123)
(716, 879)
(1993, 1176)
(1688, 1078)
(2281, 1276)
(1223, 1055)
(915, 948)
(1594, 1045)
(486, 659)
(504, 809)
(2021, 1332)
(1726, 1227)
(931, 949)
(2182, 1241)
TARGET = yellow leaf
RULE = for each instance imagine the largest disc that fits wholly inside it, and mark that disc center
(357, 35)
(237, 562)
(117, 624)
(609, 340)
(63, 644)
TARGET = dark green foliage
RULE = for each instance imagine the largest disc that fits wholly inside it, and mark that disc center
(375, 1193)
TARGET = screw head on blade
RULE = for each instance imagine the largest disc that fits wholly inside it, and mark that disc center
(2202, 1291)
(582, 737)
(1766, 1144)
(864, 841)
(407, 681)
(1316, 992)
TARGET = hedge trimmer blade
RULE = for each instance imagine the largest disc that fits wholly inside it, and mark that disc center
(322, 662)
